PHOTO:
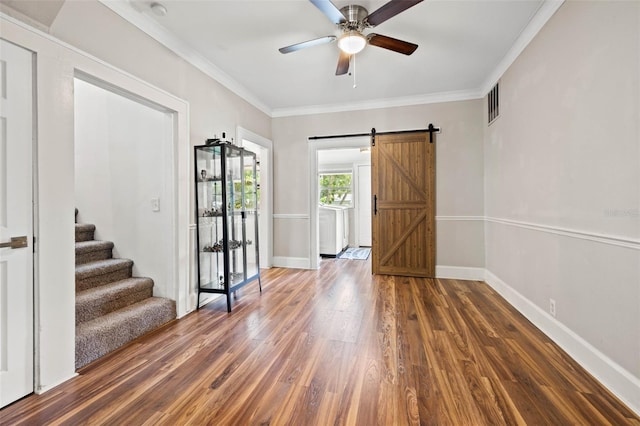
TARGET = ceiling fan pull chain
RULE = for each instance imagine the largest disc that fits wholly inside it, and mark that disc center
(354, 71)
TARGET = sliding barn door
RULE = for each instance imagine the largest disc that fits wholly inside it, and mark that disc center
(403, 188)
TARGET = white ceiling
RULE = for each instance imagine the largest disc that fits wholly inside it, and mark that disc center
(462, 47)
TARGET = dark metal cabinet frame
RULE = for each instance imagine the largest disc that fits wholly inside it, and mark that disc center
(226, 219)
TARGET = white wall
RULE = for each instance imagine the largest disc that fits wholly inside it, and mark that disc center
(562, 181)
(123, 159)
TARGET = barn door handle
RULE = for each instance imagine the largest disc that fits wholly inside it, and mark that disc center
(15, 243)
(375, 204)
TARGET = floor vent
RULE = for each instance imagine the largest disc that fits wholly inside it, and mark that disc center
(493, 103)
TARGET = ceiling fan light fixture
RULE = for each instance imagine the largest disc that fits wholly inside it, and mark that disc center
(352, 42)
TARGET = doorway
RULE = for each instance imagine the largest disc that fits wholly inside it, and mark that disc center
(263, 148)
(124, 178)
(322, 152)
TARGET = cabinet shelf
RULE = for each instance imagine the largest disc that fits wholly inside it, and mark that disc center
(225, 177)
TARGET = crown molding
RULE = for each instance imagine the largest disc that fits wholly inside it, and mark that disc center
(539, 19)
(125, 10)
(462, 95)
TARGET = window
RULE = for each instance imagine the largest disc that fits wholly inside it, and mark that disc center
(336, 189)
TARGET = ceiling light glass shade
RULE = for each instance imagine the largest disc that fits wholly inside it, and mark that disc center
(352, 42)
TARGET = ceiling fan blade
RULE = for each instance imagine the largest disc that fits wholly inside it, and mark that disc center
(330, 10)
(390, 43)
(389, 10)
(343, 63)
(305, 44)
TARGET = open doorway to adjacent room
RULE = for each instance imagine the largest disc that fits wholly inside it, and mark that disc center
(340, 196)
(263, 148)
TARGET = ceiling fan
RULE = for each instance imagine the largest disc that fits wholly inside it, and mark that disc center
(353, 20)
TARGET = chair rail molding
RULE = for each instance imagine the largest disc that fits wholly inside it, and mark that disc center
(614, 240)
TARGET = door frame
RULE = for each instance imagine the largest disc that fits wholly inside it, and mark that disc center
(316, 145)
(358, 209)
(243, 134)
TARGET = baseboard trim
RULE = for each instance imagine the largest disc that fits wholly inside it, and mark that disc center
(460, 273)
(618, 380)
(42, 389)
(291, 262)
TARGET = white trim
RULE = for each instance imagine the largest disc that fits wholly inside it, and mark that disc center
(42, 389)
(460, 273)
(290, 216)
(538, 20)
(614, 240)
(291, 262)
(433, 98)
(610, 239)
(618, 380)
(183, 50)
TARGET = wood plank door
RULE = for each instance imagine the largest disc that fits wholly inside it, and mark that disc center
(403, 188)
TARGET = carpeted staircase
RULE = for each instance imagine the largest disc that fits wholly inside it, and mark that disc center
(112, 307)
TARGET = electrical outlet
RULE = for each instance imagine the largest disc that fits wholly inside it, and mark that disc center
(155, 204)
(552, 307)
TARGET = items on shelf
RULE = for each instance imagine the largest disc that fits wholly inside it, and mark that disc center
(204, 177)
(212, 212)
(219, 246)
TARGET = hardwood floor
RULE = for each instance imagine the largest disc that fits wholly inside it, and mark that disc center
(336, 346)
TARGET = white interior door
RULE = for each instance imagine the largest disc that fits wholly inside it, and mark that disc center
(16, 223)
(364, 205)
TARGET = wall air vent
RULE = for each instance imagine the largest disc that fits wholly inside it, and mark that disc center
(494, 107)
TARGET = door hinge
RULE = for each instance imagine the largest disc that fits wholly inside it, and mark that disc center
(373, 136)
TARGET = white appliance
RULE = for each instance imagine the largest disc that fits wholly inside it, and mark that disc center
(334, 229)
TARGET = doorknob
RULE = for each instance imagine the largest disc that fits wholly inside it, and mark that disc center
(15, 243)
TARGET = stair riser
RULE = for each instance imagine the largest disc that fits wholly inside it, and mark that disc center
(98, 280)
(99, 341)
(84, 235)
(93, 256)
(94, 309)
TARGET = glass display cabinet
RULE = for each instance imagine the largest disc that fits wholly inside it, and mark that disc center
(227, 219)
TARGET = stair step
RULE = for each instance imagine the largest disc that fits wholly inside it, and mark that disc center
(89, 251)
(108, 298)
(101, 272)
(85, 231)
(104, 334)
